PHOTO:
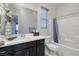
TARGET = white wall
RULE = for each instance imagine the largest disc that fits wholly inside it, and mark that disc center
(64, 9)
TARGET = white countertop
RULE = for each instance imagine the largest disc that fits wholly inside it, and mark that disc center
(19, 40)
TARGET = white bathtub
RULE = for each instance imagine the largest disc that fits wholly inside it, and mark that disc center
(64, 50)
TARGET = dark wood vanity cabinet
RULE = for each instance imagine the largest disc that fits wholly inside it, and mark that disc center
(33, 48)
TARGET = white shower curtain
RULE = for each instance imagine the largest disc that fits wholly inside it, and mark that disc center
(68, 28)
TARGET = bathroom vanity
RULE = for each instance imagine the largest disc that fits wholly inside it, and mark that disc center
(31, 47)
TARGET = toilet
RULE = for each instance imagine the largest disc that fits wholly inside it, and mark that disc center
(51, 49)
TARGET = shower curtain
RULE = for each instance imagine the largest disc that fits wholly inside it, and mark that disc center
(68, 37)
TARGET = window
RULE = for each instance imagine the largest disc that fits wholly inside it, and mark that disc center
(14, 24)
(44, 15)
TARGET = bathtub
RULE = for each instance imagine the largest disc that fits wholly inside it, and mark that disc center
(61, 50)
(65, 50)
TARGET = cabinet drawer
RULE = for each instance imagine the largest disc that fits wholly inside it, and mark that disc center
(41, 41)
(24, 45)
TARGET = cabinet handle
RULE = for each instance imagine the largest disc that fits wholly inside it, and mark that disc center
(3, 52)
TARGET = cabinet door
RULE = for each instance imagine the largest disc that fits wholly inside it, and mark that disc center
(31, 51)
(20, 53)
(40, 50)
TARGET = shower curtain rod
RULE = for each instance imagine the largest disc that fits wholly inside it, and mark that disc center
(71, 14)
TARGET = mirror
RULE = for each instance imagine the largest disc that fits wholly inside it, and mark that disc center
(24, 20)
